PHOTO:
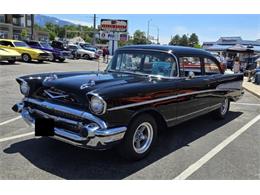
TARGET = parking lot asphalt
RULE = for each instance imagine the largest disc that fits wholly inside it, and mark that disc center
(178, 150)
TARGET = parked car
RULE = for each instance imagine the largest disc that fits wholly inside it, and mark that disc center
(60, 46)
(57, 54)
(9, 55)
(74, 51)
(26, 52)
(83, 53)
(88, 47)
(144, 89)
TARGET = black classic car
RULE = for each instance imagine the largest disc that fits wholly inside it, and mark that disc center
(144, 89)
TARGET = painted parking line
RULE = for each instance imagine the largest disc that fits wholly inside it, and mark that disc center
(10, 120)
(245, 104)
(194, 167)
(16, 137)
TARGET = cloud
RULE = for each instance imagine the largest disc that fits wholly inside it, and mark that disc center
(79, 22)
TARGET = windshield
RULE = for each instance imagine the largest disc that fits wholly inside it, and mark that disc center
(20, 44)
(46, 45)
(144, 62)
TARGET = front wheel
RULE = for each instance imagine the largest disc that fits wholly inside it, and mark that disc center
(221, 112)
(139, 138)
(86, 57)
(61, 60)
(26, 57)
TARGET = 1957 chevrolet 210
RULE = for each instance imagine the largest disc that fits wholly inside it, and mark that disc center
(144, 89)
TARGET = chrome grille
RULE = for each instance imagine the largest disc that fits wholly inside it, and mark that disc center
(58, 95)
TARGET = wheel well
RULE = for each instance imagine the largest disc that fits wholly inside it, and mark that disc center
(160, 121)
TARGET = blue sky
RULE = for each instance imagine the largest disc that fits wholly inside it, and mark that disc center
(207, 27)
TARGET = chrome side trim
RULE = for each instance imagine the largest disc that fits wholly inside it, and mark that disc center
(68, 110)
(198, 111)
(161, 99)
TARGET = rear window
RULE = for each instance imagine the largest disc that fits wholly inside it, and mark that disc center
(190, 64)
(211, 67)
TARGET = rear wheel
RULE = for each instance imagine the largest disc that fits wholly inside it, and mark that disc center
(223, 110)
(26, 57)
(11, 61)
(52, 58)
(139, 138)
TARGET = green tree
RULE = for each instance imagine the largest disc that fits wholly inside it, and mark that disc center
(175, 40)
(52, 35)
(24, 33)
(184, 40)
(139, 37)
(193, 40)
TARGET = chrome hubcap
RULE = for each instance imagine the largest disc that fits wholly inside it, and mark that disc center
(224, 106)
(143, 137)
(25, 58)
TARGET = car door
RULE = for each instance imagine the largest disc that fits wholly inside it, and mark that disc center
(191, 87)
(215, 78)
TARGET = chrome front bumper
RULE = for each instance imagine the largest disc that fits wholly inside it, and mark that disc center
(95, 134)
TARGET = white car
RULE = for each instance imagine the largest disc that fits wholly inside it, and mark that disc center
(82, 53)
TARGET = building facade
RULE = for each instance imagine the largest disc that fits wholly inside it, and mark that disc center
(18, 26)
(224, 43)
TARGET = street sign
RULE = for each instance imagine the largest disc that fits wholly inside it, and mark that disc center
(113, 36)
(113, 25)
(108, 36)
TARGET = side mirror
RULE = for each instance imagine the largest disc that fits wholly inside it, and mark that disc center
(191, 75)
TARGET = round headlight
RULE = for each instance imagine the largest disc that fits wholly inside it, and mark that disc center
(24, 88)
(97, 105)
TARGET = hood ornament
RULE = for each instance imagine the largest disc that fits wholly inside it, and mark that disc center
(51, 77)
(90, 83)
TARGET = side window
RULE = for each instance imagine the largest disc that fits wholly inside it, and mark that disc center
(211, 67)
(190, 64)
(6, 43)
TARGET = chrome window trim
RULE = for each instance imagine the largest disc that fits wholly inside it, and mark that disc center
(156, 50)
(161, 99)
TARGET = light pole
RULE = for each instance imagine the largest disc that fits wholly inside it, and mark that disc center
(158, 35)
(148, 29)
(94, 30)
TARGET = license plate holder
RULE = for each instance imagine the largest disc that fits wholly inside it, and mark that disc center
(44, 127)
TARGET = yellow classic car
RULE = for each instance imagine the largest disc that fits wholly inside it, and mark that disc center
(9, 55)
(27, 53)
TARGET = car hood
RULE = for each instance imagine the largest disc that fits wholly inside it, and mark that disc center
(83, 83)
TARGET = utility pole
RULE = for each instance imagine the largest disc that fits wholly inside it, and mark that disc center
(32, 26)
(158, 35)
(148, 29)
(94, 30)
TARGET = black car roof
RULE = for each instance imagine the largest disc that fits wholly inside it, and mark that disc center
(179, 50)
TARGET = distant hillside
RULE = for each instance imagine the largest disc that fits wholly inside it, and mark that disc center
(41, 20)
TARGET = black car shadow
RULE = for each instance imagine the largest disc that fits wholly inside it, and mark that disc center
(8, 64)
(36, 62)
(70, 162)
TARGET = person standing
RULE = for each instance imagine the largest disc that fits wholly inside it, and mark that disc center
(104, 53)
(107, 54)
(236, 67)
